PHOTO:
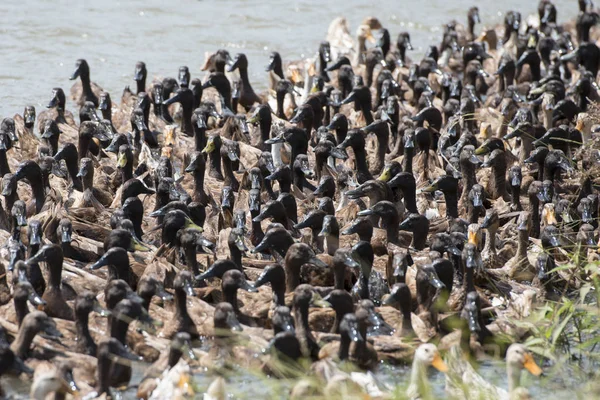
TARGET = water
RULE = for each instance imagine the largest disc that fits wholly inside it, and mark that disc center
(41, 41)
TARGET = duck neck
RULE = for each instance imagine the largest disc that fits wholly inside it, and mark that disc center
(339, 276)
(265, 132)
(38, 189)
(215, 160)
(391, 228)
(527, 145)
(469, 179)
(107, 113)
(23, 341)
(276, 154)
(9, 200)
(230, 179)
(468, 280)
(73, 169)
(278, 293)
(186, 121)
(522, 245)
(127, 172)
(55, 278)
(490, 241)
(535, 216)
(190, 259)
(235, 255)
(181, 311)
(383, 139)
(514, 378)
(407, 161)
(410, 199)
(420, 237)
(84, 338)
(199, 183)
(118, 329)
(140, 86)
(292, 276)
(515, 192)
(301, 319)
(332, 241)
(257, 233)
(451, 198)
(280, 100)
(4, 167)
(21, 309)
(360, 159)
(498, 179)
(344, 349)
(418, 379)
(86, 84)
(473, 213)
(230, 296)
(200, 138)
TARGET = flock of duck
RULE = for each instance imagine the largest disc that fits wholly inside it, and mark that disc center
(366, 208)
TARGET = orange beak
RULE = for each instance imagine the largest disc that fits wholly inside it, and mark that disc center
(473, 239)
(531, 366)
(441, 366)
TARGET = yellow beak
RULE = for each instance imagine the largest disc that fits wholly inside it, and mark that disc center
(210, 146)
(121, 160)
(580, 125)
(385, 175)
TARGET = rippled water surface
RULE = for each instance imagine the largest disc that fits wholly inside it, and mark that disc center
(40, 41)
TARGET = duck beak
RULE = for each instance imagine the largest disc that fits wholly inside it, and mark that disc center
(102, 261)
(515, 181)
(314, 260)
(435, 281)
(430, 189)
(522, 226)
(325, 231)
(233, 323)
(210, 146)
(50, 331)
(136, 245)
(75, 73)
(189, 290)
(53, 102)
(364, 213)
(530, 365)
(439, 364)
(98, 309)
(481, 150)
(271, 65)
(65, 236)
(83, 171)
(477, 200)
(454, 250)
(385, 176)
(570, 56)
(36, 236)
(35, 299)
(586, 215)
(262, 279)
(244, 285)
(473, 238)
(190, 224)
(351, 97)
(239, 243)
(317, 301)
(69, 384)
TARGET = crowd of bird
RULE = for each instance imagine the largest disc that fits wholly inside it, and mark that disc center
(365, 209)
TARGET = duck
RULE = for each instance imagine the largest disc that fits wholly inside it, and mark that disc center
(426, 355)
(56, 305)
(247, 96)
(89, 91)
(461, 372)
